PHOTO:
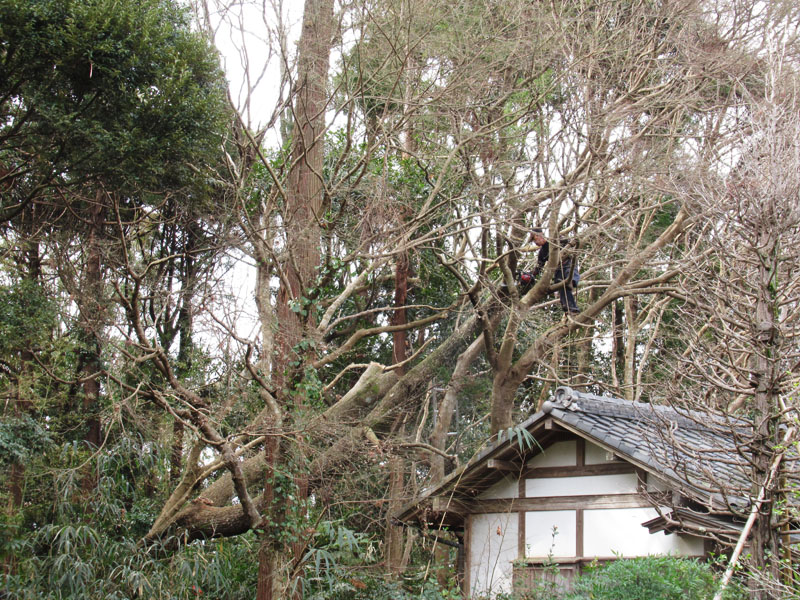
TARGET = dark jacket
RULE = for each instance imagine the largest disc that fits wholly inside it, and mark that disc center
(565, 266)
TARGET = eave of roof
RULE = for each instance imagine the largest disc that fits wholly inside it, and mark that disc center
(680, 520)
(684, 520)
(461, 477)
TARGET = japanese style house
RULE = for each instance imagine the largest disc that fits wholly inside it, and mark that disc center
(589, 478)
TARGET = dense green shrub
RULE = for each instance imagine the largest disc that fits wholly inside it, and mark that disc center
(662, 577)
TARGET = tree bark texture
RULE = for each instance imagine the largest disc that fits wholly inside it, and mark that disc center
(302, 217)
(269, 551)
(91, 307)
(400, 337)
(765, 402)
(304, 191)
(394, 533)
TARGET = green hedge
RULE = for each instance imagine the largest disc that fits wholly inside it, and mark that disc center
(648, 578)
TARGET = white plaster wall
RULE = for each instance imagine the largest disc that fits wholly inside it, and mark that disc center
(595, 455)
(560, 454)
(619, 531)
(508, 487)
(493, 546)
(539, 539)
(624, 483)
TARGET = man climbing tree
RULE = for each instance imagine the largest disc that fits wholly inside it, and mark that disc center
(566, 275)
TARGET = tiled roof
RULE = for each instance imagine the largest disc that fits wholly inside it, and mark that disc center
(695, 450)
(702, 455)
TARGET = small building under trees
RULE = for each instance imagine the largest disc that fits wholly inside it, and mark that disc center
(590, 479)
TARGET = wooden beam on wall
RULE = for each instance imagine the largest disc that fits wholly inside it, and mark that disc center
(613, 468)
(588, 502)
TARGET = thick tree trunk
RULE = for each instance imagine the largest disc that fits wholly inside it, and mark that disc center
(617, 343)
(394, 533)
(400, 338)
(631, 336)
(766, 409)
(304, 192)
(185, 343)
(176, 453)
(302, 216)
(92, 309)
(503, 392)
(269, 552)
(269, 571)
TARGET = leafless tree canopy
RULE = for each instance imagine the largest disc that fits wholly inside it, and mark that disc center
(374, 216)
